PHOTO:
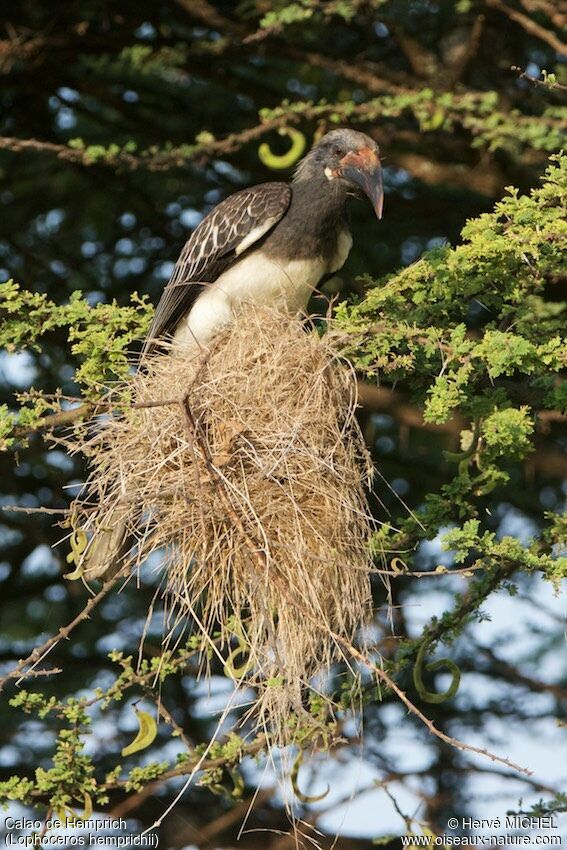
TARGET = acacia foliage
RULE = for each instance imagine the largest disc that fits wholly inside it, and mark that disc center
(410, 328)
(119, 129)
(471, 328)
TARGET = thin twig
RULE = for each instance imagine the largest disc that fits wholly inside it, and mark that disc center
(447, 739)
(523, 75)
(20, 510)
(169, 718)
(41, 651)
(53, 671)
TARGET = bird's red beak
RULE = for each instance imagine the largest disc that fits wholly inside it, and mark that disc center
(363, 168)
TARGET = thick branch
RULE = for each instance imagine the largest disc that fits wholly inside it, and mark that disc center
(56, 420)
(530, 26)
(545, 460)
(512, 674)
(463, 61)
(209, 16)
(555, 13)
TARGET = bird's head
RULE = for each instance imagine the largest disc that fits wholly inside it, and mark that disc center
(349, 157)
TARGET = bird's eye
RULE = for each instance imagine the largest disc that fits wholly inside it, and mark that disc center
(338, 151)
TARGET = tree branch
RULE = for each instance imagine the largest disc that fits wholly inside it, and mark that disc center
(56, 420)
(554, 12)
(547, 461)
(41, 651)
(530, 26)
(460, 66)
(523, 75)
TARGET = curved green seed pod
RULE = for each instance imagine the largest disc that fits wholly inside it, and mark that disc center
(147, 731)
(431, 696)
(78, 542)
(288, 159)
(87, 807)
(243, 648)
(230, 670)
(238, 783)
(76, 574)
(304, 798)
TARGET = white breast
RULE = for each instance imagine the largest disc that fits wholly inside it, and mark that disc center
(344, 244)
(256, 278)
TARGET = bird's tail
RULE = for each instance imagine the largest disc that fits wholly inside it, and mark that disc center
(104, 556)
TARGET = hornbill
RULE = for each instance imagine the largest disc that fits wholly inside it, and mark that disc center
(271, 244)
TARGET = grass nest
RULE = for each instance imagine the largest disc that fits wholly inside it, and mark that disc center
(245, 466)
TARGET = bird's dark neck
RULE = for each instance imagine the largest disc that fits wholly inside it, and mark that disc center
(317, 212)
(323, 199)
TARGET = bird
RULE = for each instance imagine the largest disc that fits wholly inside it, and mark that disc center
(271, 244)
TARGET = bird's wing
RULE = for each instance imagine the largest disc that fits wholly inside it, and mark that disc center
(231, 228)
